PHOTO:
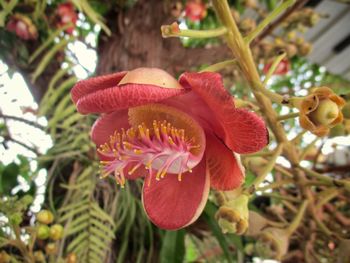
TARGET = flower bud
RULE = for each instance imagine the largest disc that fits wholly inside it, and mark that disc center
(15, 218)
(326, 112)
(4, 257)
(250, 3)
(27, 200)
(56, 232)
(195, 10)
(45, 217)
(247, 25)
(22, 26)
(304, 49)
(39, 256)
(272, 243)
(233, 216)
(51, 249)
(42, 232)
(346, 110)
(320, 111)
(71, 258)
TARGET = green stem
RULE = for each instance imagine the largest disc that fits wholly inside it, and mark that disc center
(327, 195)
(288, 116)
(273, 67)
(329, 180)
(308, 148)
(174, 31)
(275, 185)
(269, 166)
(276, 12)
(220, 66)
(298, 218)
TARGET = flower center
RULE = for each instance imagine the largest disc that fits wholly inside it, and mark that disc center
(162, 148)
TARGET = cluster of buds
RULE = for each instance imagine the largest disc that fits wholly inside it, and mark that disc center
(195, 10)
(46, 230)
(306, 17)
(22, 26)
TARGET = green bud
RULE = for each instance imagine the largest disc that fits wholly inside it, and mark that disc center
(45, 217)
(56, 232)
(326, 112)
(51, 249)
(272, 243)
(27, 200)
(346, 110)
(4, 257)
(16, 218)
(39, 256)
(42, 231)
(232, 217)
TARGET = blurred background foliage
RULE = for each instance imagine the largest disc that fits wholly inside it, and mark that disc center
(53, 44)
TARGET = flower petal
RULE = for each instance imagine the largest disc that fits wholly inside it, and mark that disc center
(124, 90)
(91, 85)
(244, 132)
(172, 204)
(226, 171)
(107, 124)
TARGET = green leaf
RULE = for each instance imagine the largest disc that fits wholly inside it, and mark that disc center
(173, 247)
(209, 215)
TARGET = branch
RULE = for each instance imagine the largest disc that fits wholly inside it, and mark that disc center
(31, 123)
(269, 29)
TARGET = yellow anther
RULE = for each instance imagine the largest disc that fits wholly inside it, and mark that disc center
(170, 140)
(179, 177)
(137, 151)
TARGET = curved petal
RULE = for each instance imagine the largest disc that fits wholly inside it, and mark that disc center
(107, 124)
(172, 204)
(91, 85)
(123, 97)
(226, 171)
(244, 132)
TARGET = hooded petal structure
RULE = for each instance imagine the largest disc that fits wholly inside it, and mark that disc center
(244, 132)
(110, 93)
(180, 136)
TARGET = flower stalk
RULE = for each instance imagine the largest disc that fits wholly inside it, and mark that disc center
(173, 30)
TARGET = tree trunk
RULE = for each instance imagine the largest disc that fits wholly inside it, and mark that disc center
(136, 41)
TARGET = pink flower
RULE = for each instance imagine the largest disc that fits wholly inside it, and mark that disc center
(22, 26)
(195, 10)
(282, 68)
(67, 14)
(179, 135)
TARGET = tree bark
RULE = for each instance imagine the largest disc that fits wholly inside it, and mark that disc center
(136, 41)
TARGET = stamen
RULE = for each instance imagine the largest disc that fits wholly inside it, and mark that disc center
(162, 147)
